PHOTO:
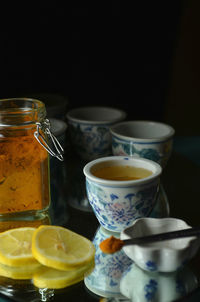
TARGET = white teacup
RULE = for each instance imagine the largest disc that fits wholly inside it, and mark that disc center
(145, 139)
(117, 203)
(89, 130)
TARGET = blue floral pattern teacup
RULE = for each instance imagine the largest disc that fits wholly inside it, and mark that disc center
(117, 204)
(89, 130)
(145, 139)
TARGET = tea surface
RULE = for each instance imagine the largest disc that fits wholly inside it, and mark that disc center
(122, 173)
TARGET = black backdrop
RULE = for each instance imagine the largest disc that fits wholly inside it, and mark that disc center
(116, 53)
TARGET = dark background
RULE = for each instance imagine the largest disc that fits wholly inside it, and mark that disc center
(141, 56)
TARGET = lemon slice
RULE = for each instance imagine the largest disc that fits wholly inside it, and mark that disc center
(60, 248)
(55, 279)
(15, 247)
(21, 273)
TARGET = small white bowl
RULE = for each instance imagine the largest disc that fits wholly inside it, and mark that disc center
(164, 256)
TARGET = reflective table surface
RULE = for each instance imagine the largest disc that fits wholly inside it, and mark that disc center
(70, 208)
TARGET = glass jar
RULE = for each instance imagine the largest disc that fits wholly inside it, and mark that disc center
(24, 157)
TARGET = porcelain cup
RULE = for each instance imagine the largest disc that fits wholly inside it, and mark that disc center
(89, 130)
(118, 203)
(146, 139)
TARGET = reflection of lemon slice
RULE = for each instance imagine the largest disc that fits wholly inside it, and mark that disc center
(53, 278)
(15, 247)
(22, 272)
(60, 248)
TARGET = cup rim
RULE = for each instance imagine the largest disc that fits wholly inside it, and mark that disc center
(162, 138)
(88, 174)
(70, 115)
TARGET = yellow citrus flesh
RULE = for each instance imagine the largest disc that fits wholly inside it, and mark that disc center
(55, 279)
(22, 272)
(15, 247)
(60, 248)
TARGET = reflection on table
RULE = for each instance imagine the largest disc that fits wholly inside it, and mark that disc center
(139, 285)
(105, 278)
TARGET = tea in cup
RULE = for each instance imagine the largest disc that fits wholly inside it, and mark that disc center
(145, 139)
(89, 130)
(121, 173)
(121, 189)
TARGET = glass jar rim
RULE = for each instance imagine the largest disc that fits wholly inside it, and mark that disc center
(21, 111)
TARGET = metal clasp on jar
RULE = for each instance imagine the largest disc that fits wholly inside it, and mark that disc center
(45, 128)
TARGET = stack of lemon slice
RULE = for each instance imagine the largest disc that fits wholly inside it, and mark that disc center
(52, 256)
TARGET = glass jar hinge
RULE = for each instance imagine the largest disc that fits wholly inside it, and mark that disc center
(45, 128)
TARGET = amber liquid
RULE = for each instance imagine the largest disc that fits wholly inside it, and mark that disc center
(122, 173)
(24, 174)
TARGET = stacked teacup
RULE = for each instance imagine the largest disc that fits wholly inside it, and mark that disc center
(90, 137)
(122, 163)
(125, 186)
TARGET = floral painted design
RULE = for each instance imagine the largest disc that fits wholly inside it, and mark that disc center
(91, 141)
(149, 154)
(151, 266)
(115, 211)
(157, 152)
(150, 290)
